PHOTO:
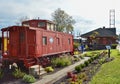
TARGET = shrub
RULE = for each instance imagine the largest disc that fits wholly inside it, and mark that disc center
(1, 73)
(82, 65)
(87, 54)
(96, 56)
(78, 68)
(76, 52)
(81, 56)
(90, 60)
(61, 62)
(76, 58)
(113, 46)
(80, 82)
(74, 78)
(82, 76)
(86, 63)
(69, 74)
(102, 60)
(17, 73)
(75, 45)
(29, 78)
(49, 69)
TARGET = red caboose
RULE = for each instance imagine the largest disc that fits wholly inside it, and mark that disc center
(34, 40)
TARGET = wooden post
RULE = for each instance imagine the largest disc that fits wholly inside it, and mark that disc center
(39, 71)
(108, 48)
(109, 53)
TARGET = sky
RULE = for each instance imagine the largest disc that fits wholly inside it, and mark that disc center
(88, 14)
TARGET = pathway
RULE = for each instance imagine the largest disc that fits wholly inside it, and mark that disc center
(49, 79)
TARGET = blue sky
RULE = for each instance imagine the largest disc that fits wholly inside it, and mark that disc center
(89, 14)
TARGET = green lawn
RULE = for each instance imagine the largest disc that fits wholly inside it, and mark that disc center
(109, 72)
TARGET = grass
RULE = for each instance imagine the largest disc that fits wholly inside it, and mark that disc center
(109, 72)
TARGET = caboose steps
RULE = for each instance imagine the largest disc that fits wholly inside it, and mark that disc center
(29, 62)
(36, 70)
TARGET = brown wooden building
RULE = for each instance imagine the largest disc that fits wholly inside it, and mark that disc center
(101, 37)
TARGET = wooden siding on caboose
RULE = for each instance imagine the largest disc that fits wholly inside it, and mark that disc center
(25, 42)
(51, 42)
(21, 42)
(31, 43)
(39, 49)
(13, 42)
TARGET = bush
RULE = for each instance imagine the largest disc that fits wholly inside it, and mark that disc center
(96, 56)
(113, 46)
(81, 56)
(29, 78)
(18, 74)
(49, 69)
(90, 60)
(1, 73)
(82, 65)
(61, 62)
(86, 63)
(78, 68)
(82, 76)
(76, 53)
(87, 54)
(102, 60)
(75, 45)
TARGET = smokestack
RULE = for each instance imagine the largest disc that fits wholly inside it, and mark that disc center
(103, 27)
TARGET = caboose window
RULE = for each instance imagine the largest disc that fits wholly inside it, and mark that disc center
(58, 41)
(69, 41)
(41, 24)
(26, 24)
(44, 40)
(22, 36)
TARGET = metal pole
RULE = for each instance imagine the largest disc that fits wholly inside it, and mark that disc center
(109, 53)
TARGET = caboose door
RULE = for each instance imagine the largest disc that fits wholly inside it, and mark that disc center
(22, 43)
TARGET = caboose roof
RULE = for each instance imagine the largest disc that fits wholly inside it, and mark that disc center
(39, 20)
(12, 27)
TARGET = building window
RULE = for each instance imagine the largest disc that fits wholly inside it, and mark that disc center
(41, 24)
(44, 40)
(69, 41)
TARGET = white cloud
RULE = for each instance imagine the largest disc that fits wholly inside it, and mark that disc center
(89, 14)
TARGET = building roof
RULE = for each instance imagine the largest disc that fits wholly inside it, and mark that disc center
(102, 32)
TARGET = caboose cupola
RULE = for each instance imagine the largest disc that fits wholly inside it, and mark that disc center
(43, 24)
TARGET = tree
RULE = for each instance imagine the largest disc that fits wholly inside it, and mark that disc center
(63, 21)
(93, 37)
